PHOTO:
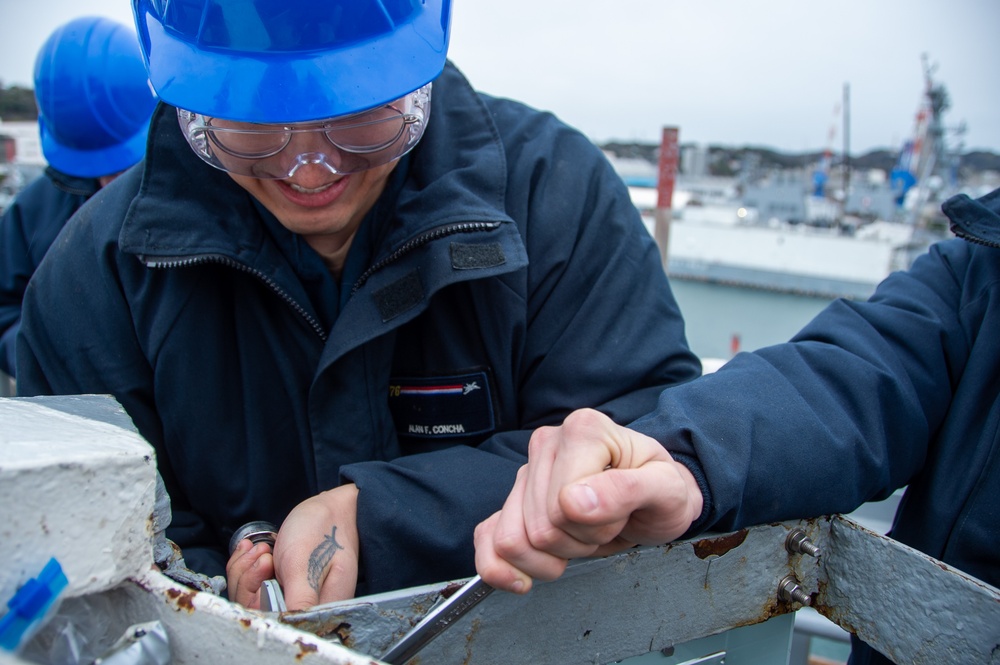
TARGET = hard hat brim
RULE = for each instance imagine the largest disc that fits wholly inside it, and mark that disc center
(92, 163)
(293, 87)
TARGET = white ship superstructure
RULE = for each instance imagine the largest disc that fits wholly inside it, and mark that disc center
(726, 242)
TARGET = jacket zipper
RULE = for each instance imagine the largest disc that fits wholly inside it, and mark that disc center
(408, 246)
(422, 239)
(961, 233)
(226, 261)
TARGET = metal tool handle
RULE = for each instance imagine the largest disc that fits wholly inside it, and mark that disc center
(439, 618)
(271, 597)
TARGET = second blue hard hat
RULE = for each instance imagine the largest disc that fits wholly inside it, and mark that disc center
(94, 98)
(270, 61)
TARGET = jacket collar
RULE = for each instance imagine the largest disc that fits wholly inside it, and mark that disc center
(186, 208)
(72, 184)
(975, 220)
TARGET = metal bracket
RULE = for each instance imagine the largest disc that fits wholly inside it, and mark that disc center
(652, 598)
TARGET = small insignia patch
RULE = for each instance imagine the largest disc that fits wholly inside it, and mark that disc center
(442, 406)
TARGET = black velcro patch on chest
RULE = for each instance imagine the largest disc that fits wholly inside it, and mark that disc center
(401, 295)
(467, 257)
(442, 406)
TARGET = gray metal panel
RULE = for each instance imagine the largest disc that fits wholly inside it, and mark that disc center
(601, 610)
(912, 608)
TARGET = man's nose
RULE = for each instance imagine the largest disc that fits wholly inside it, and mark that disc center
(318, 159)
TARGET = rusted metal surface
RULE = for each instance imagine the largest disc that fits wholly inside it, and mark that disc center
(601, 610)
(907, 605)
(203, 629)
(708, 547)
(373, 623)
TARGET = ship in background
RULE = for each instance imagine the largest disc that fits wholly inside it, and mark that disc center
(829, 231)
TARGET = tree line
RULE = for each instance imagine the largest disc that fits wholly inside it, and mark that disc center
(727, 160)
(17, 103)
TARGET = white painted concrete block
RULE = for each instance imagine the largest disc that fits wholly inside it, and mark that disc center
(77, 483)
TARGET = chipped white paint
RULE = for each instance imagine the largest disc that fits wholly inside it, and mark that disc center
(209, 629)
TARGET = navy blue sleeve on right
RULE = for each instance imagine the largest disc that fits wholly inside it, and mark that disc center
(841, 415)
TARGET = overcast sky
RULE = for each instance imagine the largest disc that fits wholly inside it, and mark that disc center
(734, 72)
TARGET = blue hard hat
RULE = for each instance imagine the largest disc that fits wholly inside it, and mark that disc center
(94, 98)
(270, 61)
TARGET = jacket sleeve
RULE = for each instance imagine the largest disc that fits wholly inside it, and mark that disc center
(16, 268)
(602, 330)
(17, 264)
(27, 230)
(840, 415)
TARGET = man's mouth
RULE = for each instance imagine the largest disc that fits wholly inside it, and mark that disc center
(319, 196)
(310, 190)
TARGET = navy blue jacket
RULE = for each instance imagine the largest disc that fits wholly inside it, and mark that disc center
(502, 280)
(27, 229)
(902, 390)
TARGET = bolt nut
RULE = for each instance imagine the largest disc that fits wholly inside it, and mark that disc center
(256, 532)
(798, 543)
(789, 590)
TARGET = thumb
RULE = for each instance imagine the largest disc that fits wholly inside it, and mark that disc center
(605, 498)
(596, 509)
(298, 594)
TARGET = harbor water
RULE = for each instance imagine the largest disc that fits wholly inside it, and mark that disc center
(721, 320)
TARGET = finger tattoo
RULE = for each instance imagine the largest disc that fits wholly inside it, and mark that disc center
(320, 557)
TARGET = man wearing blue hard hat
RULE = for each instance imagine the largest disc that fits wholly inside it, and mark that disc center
(94, 105)
(331, 308)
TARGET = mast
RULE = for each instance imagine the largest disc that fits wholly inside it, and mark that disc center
(665, 180)
(847, 148)
(929, 144)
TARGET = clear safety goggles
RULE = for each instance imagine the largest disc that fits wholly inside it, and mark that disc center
(342, 145)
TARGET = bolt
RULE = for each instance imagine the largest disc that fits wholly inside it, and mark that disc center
(798, 543)
(789, 590)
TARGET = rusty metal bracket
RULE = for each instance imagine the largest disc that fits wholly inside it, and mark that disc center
(651, 599)
(601, 610)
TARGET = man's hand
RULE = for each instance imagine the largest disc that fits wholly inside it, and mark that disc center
(590, 488)
(247, 569)
(316, 552)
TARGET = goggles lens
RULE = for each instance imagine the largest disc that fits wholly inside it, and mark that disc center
(345, 144)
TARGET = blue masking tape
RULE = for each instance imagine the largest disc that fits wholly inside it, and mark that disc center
(30, 603)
